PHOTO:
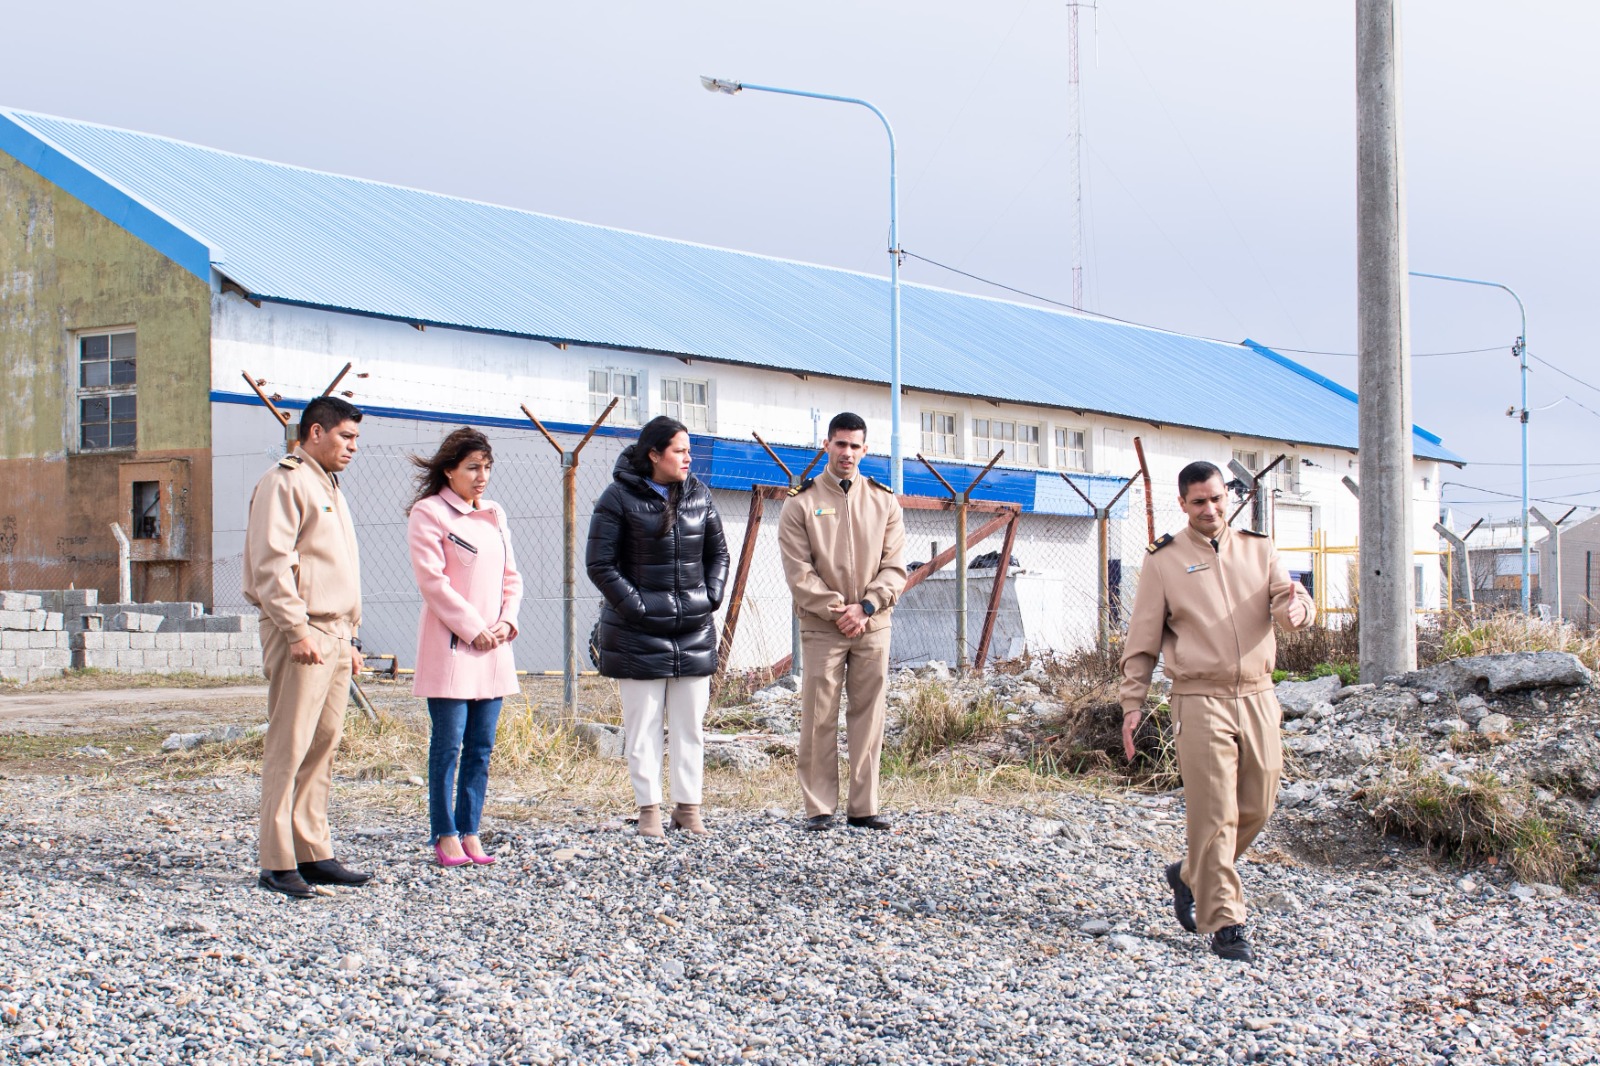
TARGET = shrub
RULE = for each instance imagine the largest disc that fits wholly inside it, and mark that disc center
(936, 718)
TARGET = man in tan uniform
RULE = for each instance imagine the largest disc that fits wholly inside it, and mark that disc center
(1206, 603)
(843, 545)
(302, 571)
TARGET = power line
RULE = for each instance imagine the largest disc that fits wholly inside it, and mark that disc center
(1564, 374)
(1414, 355)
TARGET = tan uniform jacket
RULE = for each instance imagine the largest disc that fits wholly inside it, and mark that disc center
(1208, 613)
(842, 547)
(300, 563)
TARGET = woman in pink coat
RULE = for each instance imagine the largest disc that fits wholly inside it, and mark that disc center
(461, 555)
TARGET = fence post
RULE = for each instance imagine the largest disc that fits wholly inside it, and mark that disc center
(1459, 543)
(569, 554)
(1102, 518)
(1149, 503)
(995, 592)
(1553, 529)
(961, 499)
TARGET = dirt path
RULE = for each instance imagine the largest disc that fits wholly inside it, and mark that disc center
(67, 713)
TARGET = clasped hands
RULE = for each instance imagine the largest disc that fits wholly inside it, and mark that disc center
(493, 637)
(850, 618)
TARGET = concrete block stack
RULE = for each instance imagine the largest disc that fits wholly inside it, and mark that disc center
(34, 642)
(160, 638)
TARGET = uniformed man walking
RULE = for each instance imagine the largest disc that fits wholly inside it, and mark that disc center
(302, 571)
(843, 546)
(1207, 600)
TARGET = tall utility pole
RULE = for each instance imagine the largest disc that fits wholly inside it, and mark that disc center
(1388, 626)
(1075, 118)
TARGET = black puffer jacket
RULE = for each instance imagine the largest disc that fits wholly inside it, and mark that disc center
(661, 589)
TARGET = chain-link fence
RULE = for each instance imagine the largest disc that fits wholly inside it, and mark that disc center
(1070, 580)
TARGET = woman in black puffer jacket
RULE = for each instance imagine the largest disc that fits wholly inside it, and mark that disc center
(658, 556)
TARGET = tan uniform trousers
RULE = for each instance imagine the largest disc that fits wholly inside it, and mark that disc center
(860, 666)
(305, 719)
(1231, 756)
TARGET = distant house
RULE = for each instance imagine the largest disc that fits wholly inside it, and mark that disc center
(146, 283)
(1580, 570)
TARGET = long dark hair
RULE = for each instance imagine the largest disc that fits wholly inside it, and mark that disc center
(432, 476)
(654, 437)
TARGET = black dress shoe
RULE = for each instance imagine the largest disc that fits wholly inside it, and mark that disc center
(288, 882)
(332, 872)
(868, 821)
(1182, 898)
(1230, 943)
(818, 822)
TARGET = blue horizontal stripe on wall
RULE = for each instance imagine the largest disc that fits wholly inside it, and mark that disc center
(724, 463)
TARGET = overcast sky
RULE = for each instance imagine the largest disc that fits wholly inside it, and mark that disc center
(1218, 156)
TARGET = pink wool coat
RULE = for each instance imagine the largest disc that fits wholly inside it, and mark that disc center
(468, 577)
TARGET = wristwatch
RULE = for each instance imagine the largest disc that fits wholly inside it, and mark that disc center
(867, 608)
(355, 642)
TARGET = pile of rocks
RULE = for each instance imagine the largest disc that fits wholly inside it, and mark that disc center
(1531, 720)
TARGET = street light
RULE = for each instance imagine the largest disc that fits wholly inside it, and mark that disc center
(1520, 349)
(722, 85)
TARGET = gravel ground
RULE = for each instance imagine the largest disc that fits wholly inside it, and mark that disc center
(983, 934)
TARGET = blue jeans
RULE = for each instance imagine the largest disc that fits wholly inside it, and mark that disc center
(462, 730)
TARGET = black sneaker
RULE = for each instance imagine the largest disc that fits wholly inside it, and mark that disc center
(286, 882)
(332, 872)
(1182, 898)
(1230, 943)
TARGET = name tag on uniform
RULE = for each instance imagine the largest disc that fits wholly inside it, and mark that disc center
(820, 511)
(1198, 566)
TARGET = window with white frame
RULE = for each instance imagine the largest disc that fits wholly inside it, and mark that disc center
(1020, 440)
(1072, 448)
(622, 384)
(108, 403)
(939, 435)
(687, 401)
(1251, 461)
(1285, 477)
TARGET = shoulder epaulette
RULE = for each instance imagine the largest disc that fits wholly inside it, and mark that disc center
(1159, 543)
(291, 462)
(1253, 533)
(806, 484)
(878, 484)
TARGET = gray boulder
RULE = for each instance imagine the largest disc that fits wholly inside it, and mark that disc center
(1298, 697)
(604, 740)
(740, 757)
(1511, 672)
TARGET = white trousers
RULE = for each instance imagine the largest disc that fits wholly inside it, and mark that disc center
(679, 704)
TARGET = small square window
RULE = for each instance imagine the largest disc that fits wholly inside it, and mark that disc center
(939, 435)
(621, 384)
(1019, 440)
(687, 401)
(1072, 448)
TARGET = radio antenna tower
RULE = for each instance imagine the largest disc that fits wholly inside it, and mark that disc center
(1075, 130)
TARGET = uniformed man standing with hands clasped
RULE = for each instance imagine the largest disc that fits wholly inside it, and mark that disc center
(302, 571)
(843, 545)
(1206, 603)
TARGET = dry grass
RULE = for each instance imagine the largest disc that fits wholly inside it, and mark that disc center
(1336, 649)
(937, 717)
(1474, 819)
(1461, 635)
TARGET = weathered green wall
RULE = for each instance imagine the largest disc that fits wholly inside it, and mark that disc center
(66, 268)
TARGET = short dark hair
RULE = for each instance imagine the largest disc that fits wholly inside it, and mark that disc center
(848, 421)
(1196, 473)
(328, 412)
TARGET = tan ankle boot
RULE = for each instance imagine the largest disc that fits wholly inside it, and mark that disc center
(650, 821)
(686, 816)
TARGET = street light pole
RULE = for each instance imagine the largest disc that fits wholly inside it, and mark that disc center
(722, 85)
(1521, 350)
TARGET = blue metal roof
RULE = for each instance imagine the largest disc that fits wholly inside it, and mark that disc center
(300, 236)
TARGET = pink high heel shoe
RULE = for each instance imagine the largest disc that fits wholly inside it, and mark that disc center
(484, 859)
(445, 860)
